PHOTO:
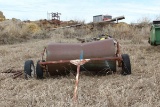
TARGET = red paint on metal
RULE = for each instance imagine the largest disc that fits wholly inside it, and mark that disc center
(66, 61)
(17, 75)
(76, 84)
(118, 54)
(43, 53)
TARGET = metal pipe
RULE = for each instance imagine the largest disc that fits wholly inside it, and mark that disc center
(66, 61)
(17, 75)
(76, 84)
(118, 54)
(43, 53)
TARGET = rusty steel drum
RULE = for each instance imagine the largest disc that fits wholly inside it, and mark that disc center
(72, 51)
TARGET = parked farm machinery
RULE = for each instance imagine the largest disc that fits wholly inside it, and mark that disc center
(96, 57)
(58, 58)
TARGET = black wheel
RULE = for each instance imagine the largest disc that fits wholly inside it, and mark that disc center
(126, 65)
(152, 43)
(149, 40)
(29, 69)
(155, 43)
(39, 71)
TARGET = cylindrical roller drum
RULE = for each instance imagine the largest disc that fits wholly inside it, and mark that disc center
(63, 51)
(99, 49)
(72, 51)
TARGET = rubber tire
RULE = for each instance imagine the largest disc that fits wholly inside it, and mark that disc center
(152, 44)
(126, 65)
(27, 67)
(149, 41)
(155, 43)
(39, 71)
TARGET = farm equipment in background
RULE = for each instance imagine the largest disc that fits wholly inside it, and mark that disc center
(100, 37)
(100, 18)
(98, 57)
(154, 38)
(106, 18)
(97, 20)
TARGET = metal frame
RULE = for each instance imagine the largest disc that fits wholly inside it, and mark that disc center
(81, 62)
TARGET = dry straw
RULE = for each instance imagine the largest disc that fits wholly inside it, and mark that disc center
(140, 89)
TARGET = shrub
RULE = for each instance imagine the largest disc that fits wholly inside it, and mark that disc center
(2, 17)
(15, 31)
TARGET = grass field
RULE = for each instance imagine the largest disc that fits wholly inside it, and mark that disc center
(140, 89)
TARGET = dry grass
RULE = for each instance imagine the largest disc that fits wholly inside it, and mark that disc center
(2, 17)
(16, 31)
(140, 89)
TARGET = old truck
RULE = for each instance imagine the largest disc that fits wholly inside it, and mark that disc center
(154, 38)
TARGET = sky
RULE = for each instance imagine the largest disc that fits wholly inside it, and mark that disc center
(83, 10)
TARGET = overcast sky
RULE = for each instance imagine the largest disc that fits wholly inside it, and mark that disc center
(80, 9)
